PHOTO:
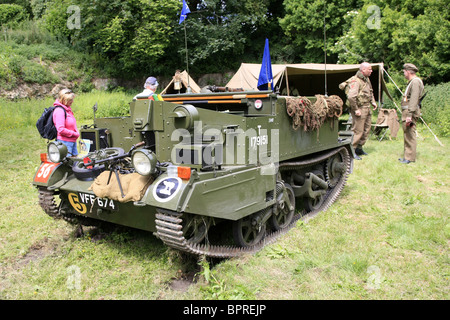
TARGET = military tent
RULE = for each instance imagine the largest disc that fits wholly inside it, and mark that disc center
(308, 79)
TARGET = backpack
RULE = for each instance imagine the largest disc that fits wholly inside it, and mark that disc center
(344, 86)
(45, 124)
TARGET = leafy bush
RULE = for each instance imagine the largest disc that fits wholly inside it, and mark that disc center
(52, 53)
(16, 63)
(436, 107)
(36, 73)
(11, 14)
(28, 32)
(7, 78)
(18, 66)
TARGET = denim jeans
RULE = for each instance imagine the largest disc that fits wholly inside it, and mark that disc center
(71, 147)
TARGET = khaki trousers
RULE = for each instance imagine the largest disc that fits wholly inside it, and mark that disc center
(410, 139)
(361, 126)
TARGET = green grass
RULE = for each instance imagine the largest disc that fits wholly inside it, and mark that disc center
(386, 237)
(26, 112)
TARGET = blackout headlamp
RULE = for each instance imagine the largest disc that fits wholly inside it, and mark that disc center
(144, 162)
(56, 151)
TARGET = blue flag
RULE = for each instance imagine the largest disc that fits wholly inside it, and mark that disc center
(265, 80)
(184, 12)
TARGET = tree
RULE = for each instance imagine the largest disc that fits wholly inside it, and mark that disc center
(139, 34)
(395, 32)
(11, 14)
(222, 34)
(132, 34)
(303, 25)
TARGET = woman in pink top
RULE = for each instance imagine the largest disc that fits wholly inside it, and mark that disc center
(65, 122)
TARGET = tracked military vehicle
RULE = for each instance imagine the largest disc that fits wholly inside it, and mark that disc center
(219, 174)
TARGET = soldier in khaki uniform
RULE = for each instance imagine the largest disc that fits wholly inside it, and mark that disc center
(360, 98)
(411, 111)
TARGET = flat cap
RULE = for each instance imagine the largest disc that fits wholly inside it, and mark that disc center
(410, 67)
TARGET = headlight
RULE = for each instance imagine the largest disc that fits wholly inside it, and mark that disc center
(56, 151)
(144, 162)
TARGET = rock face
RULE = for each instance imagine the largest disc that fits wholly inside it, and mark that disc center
(27, 90)
(214, 79)
(33, 90)
(38, 91)
(106, 83)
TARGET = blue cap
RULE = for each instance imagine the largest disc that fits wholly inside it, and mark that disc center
(151, 81)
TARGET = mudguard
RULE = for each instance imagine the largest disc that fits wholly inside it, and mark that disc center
(50, 174)
(230, 196)
(165, 192)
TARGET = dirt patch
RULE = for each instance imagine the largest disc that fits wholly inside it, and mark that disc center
(37, 251)
(183, 282)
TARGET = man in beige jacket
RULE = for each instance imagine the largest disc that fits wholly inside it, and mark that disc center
(360, 98)
(411, 111)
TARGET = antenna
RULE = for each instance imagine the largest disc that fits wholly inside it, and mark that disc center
(95, 107)
(189, 90)
(325, 44)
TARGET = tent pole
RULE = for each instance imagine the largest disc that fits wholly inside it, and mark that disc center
(435, 137)
(287, 82)
(280, 81)
(380, 74)
(325, 44)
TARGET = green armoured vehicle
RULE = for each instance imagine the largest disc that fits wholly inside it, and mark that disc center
(188, 165)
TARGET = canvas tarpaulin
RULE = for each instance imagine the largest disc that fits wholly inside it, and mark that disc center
(387, 118)
(133, 186)
(308, 79)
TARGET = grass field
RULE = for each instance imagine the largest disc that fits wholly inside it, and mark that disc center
(387, 237)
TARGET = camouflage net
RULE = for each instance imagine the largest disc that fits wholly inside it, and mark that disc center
(311, 116)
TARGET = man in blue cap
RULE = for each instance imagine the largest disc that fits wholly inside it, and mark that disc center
(150, 85)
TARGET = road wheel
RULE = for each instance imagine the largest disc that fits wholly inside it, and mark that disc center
(249, 230)
(312, 204)
(195, 227)
(285, 206)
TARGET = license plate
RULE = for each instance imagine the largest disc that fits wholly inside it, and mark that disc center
(91, 200)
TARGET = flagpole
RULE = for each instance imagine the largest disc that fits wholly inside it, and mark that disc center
(184, 12)
(187, 58)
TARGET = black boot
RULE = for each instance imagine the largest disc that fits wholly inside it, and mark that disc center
(360, 152)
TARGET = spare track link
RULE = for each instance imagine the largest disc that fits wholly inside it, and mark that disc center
(169, 223)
